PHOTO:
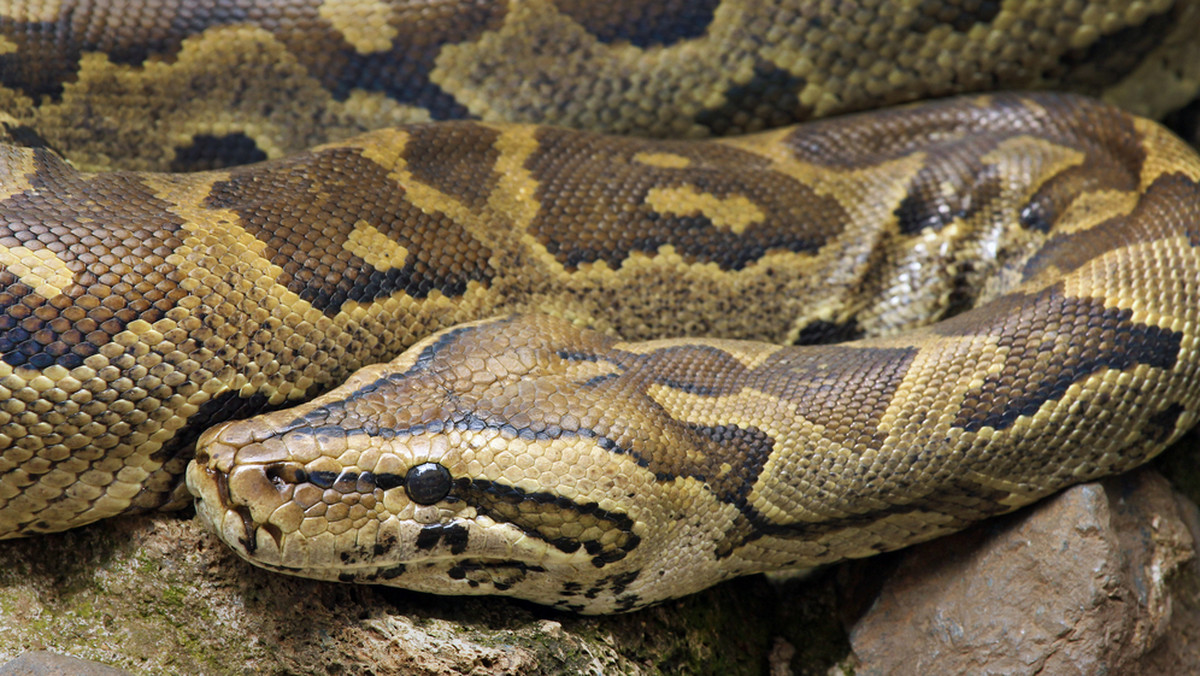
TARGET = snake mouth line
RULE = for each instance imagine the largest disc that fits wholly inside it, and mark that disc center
(345, 482)
(220, 483)
(498, 572)
(471, 562)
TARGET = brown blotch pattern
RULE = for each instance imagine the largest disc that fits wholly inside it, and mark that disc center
(48, 51)
(458, 160)
(672, 68)
(1116, 155)
(1171, 201)
(402, 69)
(118, 263)
(960, 16)
(1051, 342)
(595, 207)
(881, 442)
(1114, 55)
(771, 99)
(305, 208)
(642, 24)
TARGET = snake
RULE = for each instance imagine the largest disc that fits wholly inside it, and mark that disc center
(626, 362)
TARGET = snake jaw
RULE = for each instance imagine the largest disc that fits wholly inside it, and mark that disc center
(424, 548)
(483, 537)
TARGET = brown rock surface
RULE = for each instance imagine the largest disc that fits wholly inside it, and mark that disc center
(1082, 584)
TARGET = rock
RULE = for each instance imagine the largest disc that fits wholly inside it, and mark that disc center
(43, 663)
(1079, 584)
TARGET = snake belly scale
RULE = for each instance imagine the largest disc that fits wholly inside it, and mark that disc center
(1017, 277)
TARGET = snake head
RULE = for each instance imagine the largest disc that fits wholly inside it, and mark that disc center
(483, 460)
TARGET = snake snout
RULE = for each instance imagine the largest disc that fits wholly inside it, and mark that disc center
(234, 493)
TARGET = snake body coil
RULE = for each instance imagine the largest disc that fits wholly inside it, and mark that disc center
(1018, 277)
(529, 457)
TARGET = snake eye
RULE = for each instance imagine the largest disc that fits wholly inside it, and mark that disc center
(427, 483)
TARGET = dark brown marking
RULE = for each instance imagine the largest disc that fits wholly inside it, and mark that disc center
(26, 137)
(1170, 205)
(619, 583)
(1185, 121)
(113, 234)
(961, 16)
(695, 369)
(403, 72)
(207, 152)
(392, 572)
(846, 389)
(746, 449)
(771, 99)
(305, 207)
(1035, 330)
(1113, 158)
(452, 535)
(1160, 426)
(457, 160)
(821, 332)
(594, 202)
(513, 569)
(643, 24)
(929, 206)
(48, 53)
(1113, 56)
(542, 515)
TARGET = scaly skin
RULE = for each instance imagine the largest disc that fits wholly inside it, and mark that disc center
(528, 457)
(138, 309)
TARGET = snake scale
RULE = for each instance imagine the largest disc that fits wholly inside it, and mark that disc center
(606, 392)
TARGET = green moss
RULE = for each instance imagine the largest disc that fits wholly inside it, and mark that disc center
(145, 564)
(84, 608)
(720, 630)
(174, 596)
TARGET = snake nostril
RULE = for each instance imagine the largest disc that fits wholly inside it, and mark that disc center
(427, 483)
(284, 474)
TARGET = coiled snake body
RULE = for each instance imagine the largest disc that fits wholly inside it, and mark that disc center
(1018, 276)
